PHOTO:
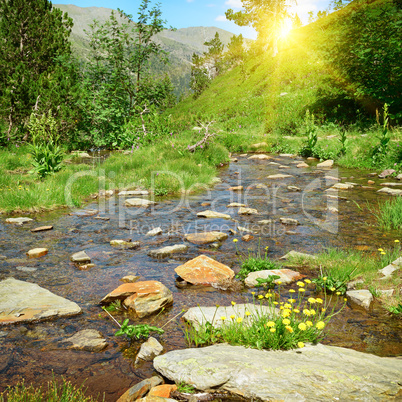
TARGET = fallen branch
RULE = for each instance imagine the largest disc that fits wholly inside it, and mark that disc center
(207, 136)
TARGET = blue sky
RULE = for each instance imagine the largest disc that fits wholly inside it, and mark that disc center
(190, 13)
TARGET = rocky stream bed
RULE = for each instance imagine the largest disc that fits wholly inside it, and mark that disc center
(56, 270)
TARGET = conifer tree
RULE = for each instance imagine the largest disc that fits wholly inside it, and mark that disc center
(33, 48)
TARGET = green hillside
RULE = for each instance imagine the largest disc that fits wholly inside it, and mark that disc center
(275, 97)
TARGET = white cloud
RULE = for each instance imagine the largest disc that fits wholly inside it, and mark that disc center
(234, 3)
(221, 18)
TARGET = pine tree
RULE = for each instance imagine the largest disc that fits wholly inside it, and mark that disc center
(34, 50)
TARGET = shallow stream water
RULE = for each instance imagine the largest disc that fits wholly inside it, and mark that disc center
(34, 352)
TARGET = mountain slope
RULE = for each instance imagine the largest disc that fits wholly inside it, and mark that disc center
(179, 44)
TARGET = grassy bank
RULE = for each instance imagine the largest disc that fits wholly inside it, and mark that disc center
(141, 168)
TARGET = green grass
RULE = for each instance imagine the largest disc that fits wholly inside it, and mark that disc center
(299, 320)
(53, 392)
(389, 214)
(167, 167)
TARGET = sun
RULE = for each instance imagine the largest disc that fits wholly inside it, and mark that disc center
(285, 28)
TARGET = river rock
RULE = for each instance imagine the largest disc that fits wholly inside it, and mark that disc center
(213, 214)
(163, 391)
(148, 298)
(133, 193)
(289, 221)
(391, 191)
(105, 193)
(293, 188)
(279, 176)
(342, 186)
(284, 167)
(386, 173)
(89, 340)
(274, 163)
(247, 237)
(243, 229)
(23, 302)
(314, 373)
(399, 177)
(391, 268)
(296, 254)
(391, 184)
(37, 252)
(326, 164)
(260, 157)
(130, 278)
(200, 315)
(41, 229)
(149, 350)
(80, 258)
(331, 178)
(235, 205)
(140, 389)
(204, 270)
(287, 155)
(236, 188)
(361, 298)
(206, 237)
(168, 250)
(265, 222)
(18, 221)
(154, 232)
(247, 211)
(123, 244)
(286, 276)
(138, 202)
(302, 165)
(85, 212)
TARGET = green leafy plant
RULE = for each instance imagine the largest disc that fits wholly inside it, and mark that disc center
(312, 137)
(344, 141)
(185, 388)
(47, 155)
(267, 282)
(331, 284)
(137, 331)
(300, 320)
(379, 151)
(115, 306)
(397, 310)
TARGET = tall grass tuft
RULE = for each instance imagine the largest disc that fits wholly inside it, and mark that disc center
(389, 214)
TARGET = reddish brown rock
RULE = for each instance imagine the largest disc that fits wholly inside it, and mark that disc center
(203, 270)
(236, 188)
(206, 237)
(140, 389)
(163, 391)
(370, 182)
(148, 298)
(37, 252)
(247, 237)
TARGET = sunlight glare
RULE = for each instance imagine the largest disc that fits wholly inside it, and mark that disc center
(286, 27)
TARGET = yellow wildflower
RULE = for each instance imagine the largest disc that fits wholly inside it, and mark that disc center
(272, 330)
(318, 300)
(338, 293)
(235, 240)
(300, 344)
(311, 300)
(268, 295)
(296, 310)
(307, 281)
(286, 313)
(223, 318)
(291, 291)
(302, 326)
(233, 303)
(312, 312)
(287, 305)
(253, 293)
(380, 249)
(396, 241)
(239, 319)
(279, 282)
(383, 253)
(232, 316)
(300, 284)
(286, 321)
(276, 303)
(270, 324)
(320, 324)
(292, 300)
(324, 278)
(247, 313)
(309, 323)
(289, 328)
(260, 296)
(306, 312)
(302, 290)
(323, 309)
(332, 289)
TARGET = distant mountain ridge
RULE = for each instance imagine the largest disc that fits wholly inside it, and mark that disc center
(179, 44)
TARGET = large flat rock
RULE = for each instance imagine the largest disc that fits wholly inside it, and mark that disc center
(206, 237)
(314, 373)
(23, 302)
